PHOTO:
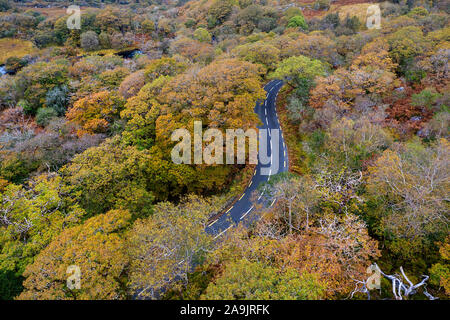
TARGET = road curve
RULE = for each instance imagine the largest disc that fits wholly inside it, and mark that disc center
(241, 209)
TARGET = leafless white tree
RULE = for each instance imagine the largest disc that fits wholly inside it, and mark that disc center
(402, 286)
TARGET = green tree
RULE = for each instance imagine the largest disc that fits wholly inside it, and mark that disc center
(426, 99)
(298, 21)
(104, 40)
(112, 176)
(89, 41)
(58, 99)
(245, 280)
(202, 35)
(141, 113)
(96, 112)
(440, 272)
(34, 81)
(148, 26)
(406, 44)
(296, 68)
(14, 64)
(10, 284)
(131, 85)
(219, 12)
(96, 247)
(164, 246)
(32, 217)
(351, 143)
(259, 52)
(410, 185)
(44, 116)
(61, 30)
(4, 5)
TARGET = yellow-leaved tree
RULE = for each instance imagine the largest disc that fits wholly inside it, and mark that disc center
(96, 248)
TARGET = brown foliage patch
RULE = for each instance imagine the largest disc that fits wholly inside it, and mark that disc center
(405, 117)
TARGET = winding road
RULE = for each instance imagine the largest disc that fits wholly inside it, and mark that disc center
(241, 209)
(267, 112)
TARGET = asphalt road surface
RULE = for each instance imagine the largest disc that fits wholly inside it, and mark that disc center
(241, 209)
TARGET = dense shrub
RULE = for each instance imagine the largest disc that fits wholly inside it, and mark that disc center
(89, 40)
(202, 35)
(44, 116)
(58, 99)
